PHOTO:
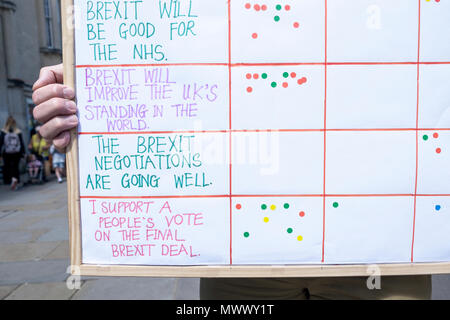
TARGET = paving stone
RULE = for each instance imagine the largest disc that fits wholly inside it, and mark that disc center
(188, 289)
(33, 271)
(127, 289)
(14, 222)
(15, 236)
(55, 234)
(26, 251)
(60, 222)
(6, 290)
(7, 212)
(60, 252)
(42, 291)
(441, 287)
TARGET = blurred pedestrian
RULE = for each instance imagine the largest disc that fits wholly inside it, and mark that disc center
(33, 166)
(59, 162)
(12, 149)
(40, 148)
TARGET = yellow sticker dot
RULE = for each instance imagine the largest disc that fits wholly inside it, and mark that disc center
(273, 207)
(300, 238)
(266, 219)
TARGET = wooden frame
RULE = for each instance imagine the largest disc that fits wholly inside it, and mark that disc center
(77, 267)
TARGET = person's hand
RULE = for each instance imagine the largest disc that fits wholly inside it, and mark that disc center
(54, 106)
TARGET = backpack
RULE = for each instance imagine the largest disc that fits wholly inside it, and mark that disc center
(11, 143)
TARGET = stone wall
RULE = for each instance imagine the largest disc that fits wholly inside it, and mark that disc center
(24, 49)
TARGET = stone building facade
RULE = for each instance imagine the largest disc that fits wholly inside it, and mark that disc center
(30, 37)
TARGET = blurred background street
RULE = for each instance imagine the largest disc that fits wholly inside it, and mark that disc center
(34, 255)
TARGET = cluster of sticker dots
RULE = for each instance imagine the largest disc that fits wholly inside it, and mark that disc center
(426, 137)
(266, 219)
(277, 9)
(274, 84)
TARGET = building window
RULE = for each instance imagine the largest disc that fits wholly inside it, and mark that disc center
(48, 23)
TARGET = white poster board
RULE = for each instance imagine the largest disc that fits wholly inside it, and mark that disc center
(235, 134)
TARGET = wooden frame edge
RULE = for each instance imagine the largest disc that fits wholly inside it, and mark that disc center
(73, 193)
(263, 271)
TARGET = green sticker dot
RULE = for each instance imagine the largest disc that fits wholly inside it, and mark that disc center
(246, 234)
(425, 137)
(286, 206)
(278, 7)
(276, 18)
(264, 207)
(273, 84)
(289, 230)
(264, 76)
(335, 204)
(286, 74)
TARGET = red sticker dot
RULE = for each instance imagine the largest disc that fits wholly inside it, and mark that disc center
(255, 76)
(248, 6)
(436, 135)
(249, 89)
(263, 7)
(438, 150)
(257, 7)
(255, 35)
(301, 81)
(296, 25)
(239, 206)
(287, 7)
(285, 85)
(302, 214)
(293, 75)
(248, 76)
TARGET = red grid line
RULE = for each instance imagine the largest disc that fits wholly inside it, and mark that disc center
(417, 135)
(350, 63)
(149, 65)
(263, 131)
(385, 63)
(157, 197)
(244, 64)
(375, 195)
(153, 132)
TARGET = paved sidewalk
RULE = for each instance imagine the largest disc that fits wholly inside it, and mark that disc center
(34, 255)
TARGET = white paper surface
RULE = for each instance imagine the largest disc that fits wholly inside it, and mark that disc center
(233, 132)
